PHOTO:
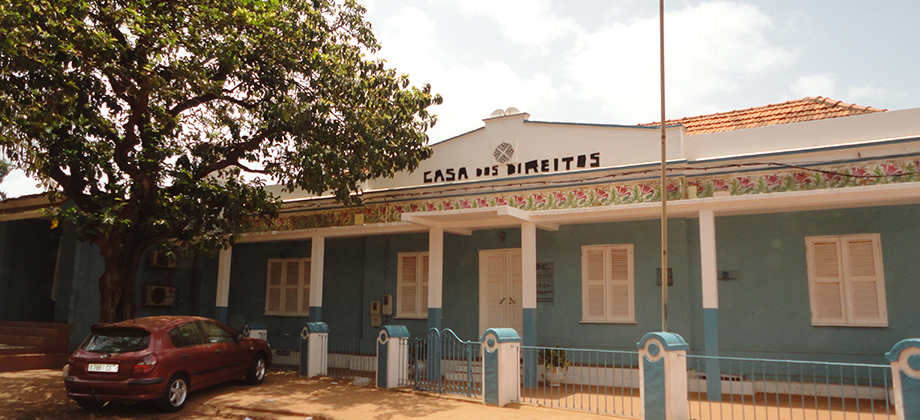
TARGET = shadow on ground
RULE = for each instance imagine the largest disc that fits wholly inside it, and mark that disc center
(40, 395)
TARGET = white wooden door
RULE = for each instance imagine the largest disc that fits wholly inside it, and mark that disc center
(500, 290)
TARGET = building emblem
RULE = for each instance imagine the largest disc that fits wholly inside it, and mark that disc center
(503, 152)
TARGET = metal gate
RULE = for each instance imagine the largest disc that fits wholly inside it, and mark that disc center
(788, 389)
(442, 362)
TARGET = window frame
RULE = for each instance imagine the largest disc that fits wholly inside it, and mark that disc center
(208, 330)
(420, 285)
(302, 288)
(192, 327)
(609, 283)
(850, 301)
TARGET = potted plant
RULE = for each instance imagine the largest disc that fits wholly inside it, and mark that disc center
(555, 364)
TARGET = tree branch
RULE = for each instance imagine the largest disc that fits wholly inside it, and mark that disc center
(252, 170)
(72, 191)
(191, 103)
(233, 158)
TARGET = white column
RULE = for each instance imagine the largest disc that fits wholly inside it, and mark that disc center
(317, 256)
(529, 262)
(317, 352)
(708, 268)
(529, 307)
(223, 277)
(663, 377)
(223, 283)
(710, 285)
(435, 276)
(501, 363)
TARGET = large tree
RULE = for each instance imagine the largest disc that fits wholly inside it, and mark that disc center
(153, 118)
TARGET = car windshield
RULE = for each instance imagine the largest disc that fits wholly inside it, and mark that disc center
(117, 340)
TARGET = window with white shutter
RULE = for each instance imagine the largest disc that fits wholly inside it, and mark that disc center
(412, 285)
(287, 291)
(846, 282)
(608, 293)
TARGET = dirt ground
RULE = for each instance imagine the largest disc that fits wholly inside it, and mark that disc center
(40, 395)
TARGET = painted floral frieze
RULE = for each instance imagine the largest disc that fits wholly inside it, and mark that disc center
(618, 193)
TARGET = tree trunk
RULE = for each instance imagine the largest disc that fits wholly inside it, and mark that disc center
(117, 285)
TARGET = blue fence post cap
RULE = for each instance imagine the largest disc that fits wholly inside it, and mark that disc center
(256, 325)
(502, 335)
(253, 325)
(670, 341)
(902, 345)
(395, 331)
(317, 327)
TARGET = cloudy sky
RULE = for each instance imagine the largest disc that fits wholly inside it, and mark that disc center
(596, 61)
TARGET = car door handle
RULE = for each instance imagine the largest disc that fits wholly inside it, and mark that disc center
(218, 351)
(185, 356)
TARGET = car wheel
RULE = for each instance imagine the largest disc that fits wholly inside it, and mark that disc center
(256, 370)
(90, 405)
(175, 394)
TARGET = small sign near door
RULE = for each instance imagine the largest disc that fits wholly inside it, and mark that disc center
(546, 291)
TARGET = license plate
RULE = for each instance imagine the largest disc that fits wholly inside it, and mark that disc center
(102, 367)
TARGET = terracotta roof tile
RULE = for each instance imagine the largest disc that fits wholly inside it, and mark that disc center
(806, 109)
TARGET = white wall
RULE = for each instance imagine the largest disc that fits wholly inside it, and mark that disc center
(555, 146)
(821, 133)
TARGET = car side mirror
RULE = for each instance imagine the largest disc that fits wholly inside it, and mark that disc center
(238, 338)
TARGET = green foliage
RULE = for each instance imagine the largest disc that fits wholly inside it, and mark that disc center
(553, 358)
(4, 171)
(147, 113)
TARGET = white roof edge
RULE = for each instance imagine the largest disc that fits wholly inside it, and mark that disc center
(805, 135)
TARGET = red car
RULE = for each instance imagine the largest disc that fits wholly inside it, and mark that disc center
(161, 359)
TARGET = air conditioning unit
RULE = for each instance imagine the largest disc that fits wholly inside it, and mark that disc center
(159, 259)
(159, 295)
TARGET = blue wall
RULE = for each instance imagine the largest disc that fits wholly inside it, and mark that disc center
(81, 266)
(381, 263)
(767, 311)
(28, 251)
(560, 323)
(343, 289)
(195, 281)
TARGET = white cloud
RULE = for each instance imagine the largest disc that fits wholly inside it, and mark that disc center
(471, 91)
(471, 94)
(408, 37)
(532, 23)
(815, 85)
(710, 49)
(607, 75)
(869, 95)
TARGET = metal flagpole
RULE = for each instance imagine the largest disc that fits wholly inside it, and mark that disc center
(664, 185)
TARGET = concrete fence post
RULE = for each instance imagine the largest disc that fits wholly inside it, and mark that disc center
(314, 349)
(905, 375)
(392, 355)
(663, 376)
(501, 376)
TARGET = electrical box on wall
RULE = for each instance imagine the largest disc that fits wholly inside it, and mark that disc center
(159, 295)
(159, 259)
(387, 305)
(375, 314)
(658, 277)
(726, 275)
